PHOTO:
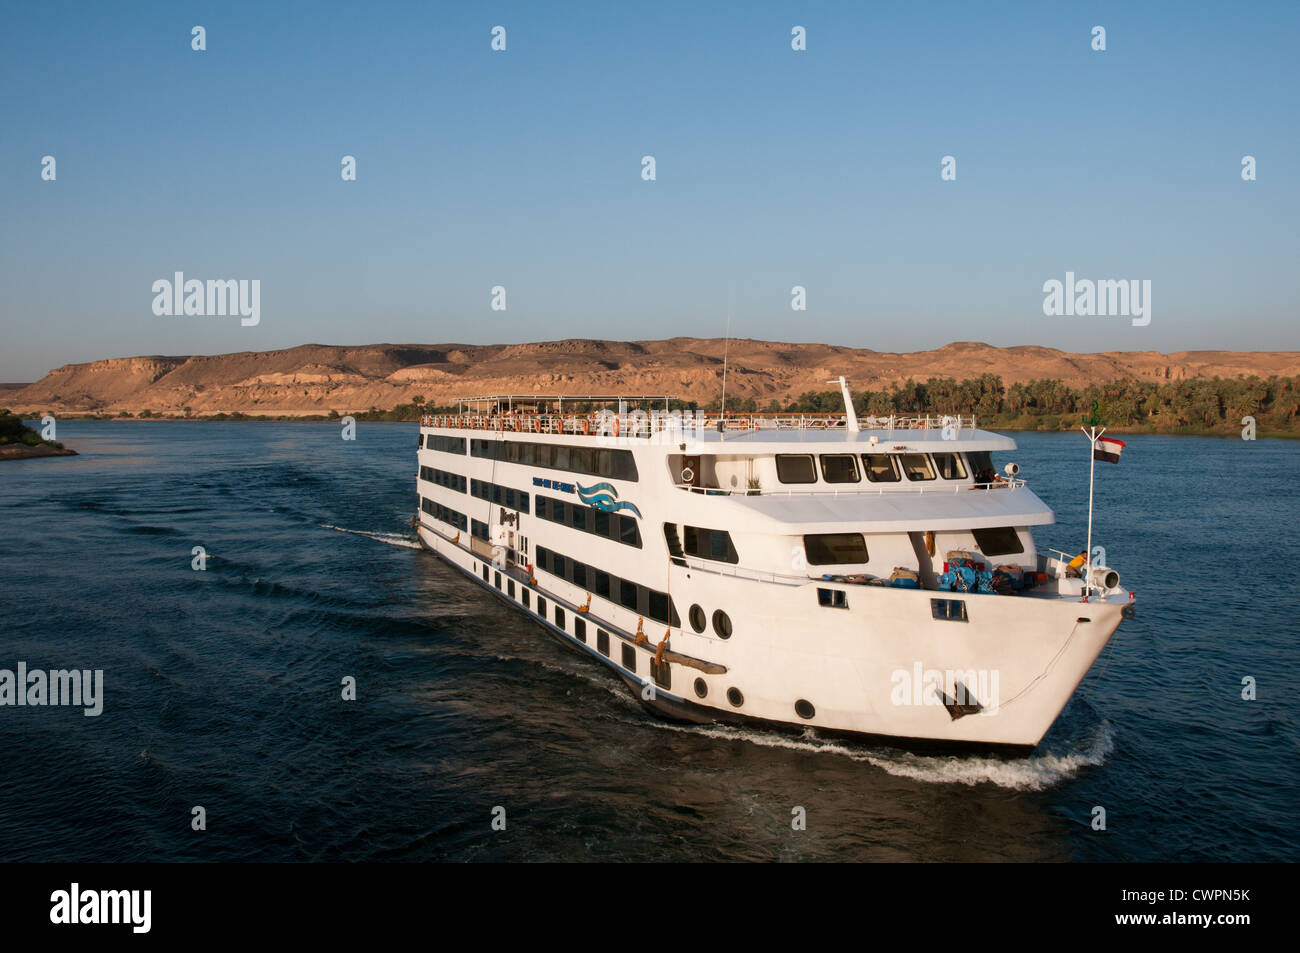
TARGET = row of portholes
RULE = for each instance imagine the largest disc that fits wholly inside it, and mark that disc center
(803, 708)
(721, 623)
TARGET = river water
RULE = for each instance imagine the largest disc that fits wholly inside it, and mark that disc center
(222, 687)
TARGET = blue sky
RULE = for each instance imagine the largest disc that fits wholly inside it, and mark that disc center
(522, 169)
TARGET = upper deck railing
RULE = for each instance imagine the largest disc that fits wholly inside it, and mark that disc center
(644, 424)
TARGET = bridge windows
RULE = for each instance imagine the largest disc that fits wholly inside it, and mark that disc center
(949, 466)
(881, 467)
(795, 468)
(916, 466)
(839, 468)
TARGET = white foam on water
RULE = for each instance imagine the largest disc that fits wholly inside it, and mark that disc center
(1034, 773)
(391, 539)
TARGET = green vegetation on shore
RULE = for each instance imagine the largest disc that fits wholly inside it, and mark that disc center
(14, 431)
(1211, 406)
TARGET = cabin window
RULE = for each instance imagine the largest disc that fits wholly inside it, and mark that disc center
(828, 549)
(557, 565)
(627, 531)
(602, 584)
(580, 574)
(525, 596)
(952, 610)
(559, 617)
(627, 594)
(559, 513)
(722, 624)
(998, 541)
(880, 467)
(602, 523)
(580, 630)
(629, 658)
(833, 598)
(510, 588)
(916, 466)
(795, 468)
(602, 641)
(541, 607)
(658, 606)
(949, 466)
(697, 619)
(496, 579)
(839, 468)
(712, 544)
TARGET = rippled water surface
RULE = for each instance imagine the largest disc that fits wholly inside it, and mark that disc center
(222, 687)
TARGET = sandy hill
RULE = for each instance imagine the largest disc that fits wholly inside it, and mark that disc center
(315, 378)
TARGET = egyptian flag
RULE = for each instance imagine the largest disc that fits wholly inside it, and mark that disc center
(1108, 449)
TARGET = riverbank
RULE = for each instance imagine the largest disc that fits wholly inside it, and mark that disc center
(24, 452)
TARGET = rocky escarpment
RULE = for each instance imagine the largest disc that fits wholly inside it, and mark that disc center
(315, 379)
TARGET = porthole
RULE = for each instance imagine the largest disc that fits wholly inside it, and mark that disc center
(722, 624)
(697, 618)
(734, 696)
(701, 689)
(804, 709)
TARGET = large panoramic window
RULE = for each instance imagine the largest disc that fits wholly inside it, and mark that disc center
(593, 461)
(998, 541)
(830, 549)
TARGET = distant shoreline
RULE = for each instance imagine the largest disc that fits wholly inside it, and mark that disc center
(990, 425)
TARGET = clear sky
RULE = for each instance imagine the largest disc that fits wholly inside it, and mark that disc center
(522, 168)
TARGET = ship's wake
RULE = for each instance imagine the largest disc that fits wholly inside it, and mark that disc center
(391, 539)
(1037, 772)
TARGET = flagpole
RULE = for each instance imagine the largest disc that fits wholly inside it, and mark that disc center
(1092, 469)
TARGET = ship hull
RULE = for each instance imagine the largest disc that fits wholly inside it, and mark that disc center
(880, 670)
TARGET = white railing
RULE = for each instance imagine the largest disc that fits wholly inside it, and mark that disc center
(642, 424)
(741, 572)
(857, 489)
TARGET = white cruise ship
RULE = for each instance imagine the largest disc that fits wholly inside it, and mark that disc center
(875, 578)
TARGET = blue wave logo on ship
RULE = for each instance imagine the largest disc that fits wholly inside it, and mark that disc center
(603, 496)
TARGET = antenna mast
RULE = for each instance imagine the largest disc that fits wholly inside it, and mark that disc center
(725, 344)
